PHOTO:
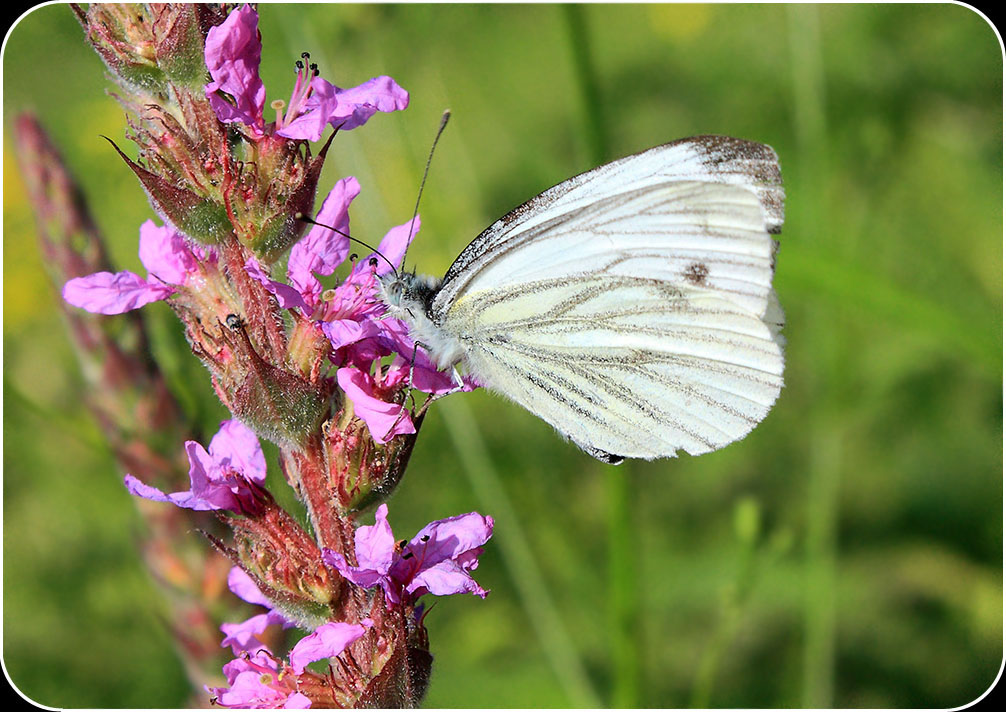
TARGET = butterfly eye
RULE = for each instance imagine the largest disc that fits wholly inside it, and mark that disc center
(234, 322)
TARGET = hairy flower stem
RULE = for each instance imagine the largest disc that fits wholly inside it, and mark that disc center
(265, 324)
(131, 402)
(309, 473)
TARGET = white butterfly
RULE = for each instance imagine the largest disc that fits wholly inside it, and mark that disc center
(631, 306)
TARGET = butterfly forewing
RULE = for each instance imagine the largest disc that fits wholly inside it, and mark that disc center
(703, 159)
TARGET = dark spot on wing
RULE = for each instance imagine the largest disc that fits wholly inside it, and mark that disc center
(696, 273)
(605, 457)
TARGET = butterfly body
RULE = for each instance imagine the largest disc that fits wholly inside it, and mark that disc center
(631, 307)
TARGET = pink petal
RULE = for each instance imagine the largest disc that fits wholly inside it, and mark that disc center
(246, 636)
(385, 420)
(108, 293)
(322, 250)
(261, 662)
(186, 500)
(393, 247)
(358, 104)
(375, 553)
(233, 53)
(375, 545)
(236, 447)
(203, 468)
(383, 93)
(327, 641)
(444, 579)
(242, 586)
(343, 332)
(287, 296)
(452, 537)
(214, 486)
(320, 108)
(139, 489)
(165, 253)
(248, 691)
(297, 701)
(362, 577)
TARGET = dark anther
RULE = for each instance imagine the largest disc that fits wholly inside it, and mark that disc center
(407, 555)
(305, 55)
(316, 72)
(314, 67)
(354, 257)
(425, 538)
(300, 65)
(402, 543)
(373, 262)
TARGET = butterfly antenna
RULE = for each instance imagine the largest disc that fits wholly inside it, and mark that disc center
(429, 159)
(311, 221)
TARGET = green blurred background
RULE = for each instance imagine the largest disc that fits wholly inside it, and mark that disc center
(846, 553)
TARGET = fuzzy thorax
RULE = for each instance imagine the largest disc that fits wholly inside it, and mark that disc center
(409, 297)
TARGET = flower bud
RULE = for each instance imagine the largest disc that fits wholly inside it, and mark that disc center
(279, 405)
(189, 213)
(403, 668)
(147, 46)
(178, 41)
(268, 201)
(285, 564)
(365, 473)
(123, 36)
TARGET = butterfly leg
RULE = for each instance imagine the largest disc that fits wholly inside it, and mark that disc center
(459, 386)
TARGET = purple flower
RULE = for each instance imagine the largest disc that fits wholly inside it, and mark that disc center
(258, 682)
(261, 681)
(327, 641)
(385, 419)
(436, 561)
(246, 636)
(352, 315)
(233, 53)
(171, 260)
(227, 477)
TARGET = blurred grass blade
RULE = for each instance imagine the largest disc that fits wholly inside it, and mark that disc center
(592, 108)
(824, 471)
(521, 565)
(622, 594)
(850, 285)
(820, 573)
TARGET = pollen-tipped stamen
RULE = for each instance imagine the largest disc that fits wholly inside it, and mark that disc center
(278, 105)
(301, 92)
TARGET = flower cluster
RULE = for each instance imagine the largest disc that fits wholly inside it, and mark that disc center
(229, 476)
(323, 371)
(173, 263)
(233, 53)
(436, 561)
